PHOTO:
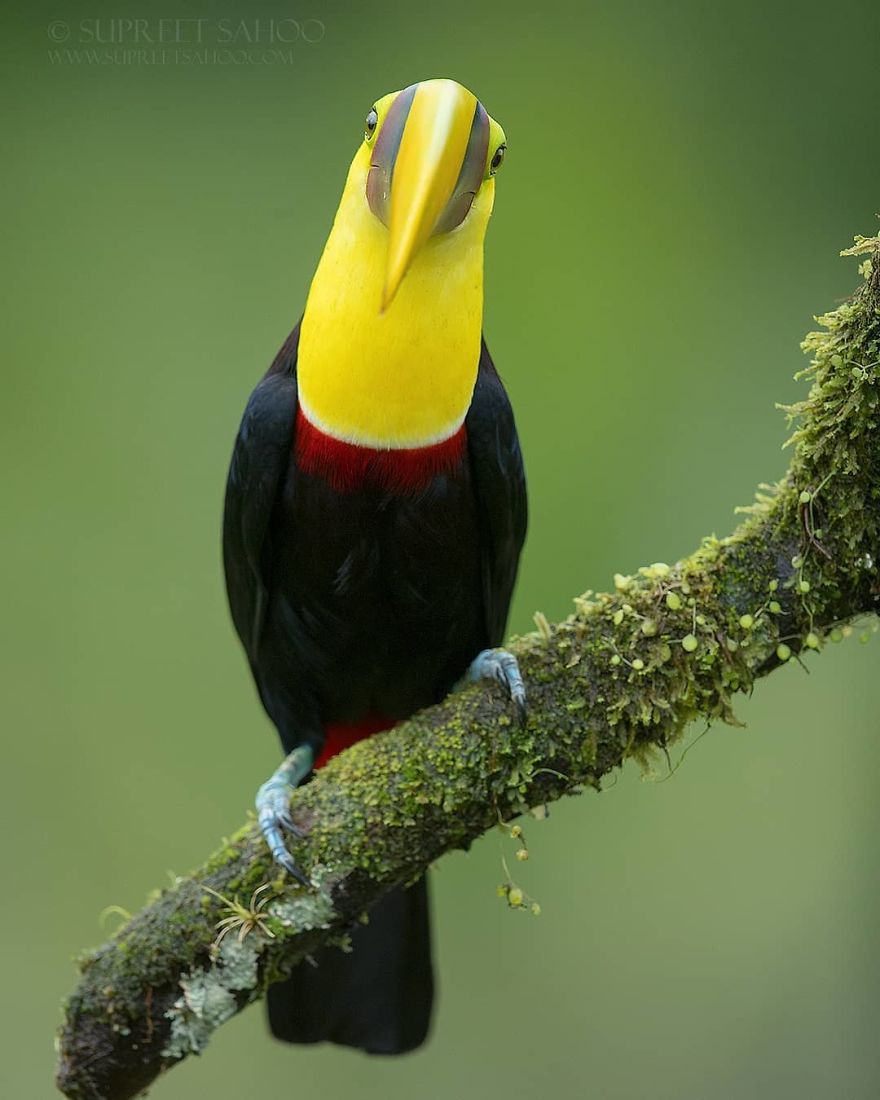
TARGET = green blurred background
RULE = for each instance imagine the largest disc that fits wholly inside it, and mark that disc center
(681, 177)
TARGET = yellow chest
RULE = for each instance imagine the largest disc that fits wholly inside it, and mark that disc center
(405, 377)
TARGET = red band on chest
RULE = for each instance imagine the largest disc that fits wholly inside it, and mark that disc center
(348, 466)
(341, 735)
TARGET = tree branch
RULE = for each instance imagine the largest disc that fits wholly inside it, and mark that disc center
(620, 678)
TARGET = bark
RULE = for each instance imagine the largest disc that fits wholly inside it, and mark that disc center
(620, 678)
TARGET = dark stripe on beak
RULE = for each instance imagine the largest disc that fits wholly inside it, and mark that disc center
(385, 154)
(470, 178)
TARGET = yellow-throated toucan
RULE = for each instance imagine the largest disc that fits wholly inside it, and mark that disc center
(375, 514)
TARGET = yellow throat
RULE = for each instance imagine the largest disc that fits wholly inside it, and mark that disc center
(403, 377)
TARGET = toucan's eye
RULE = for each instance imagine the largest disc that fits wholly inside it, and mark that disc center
(495, 162)
(371, 123)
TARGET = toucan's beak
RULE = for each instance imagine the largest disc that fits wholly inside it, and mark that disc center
(432, 149)
(433, 156)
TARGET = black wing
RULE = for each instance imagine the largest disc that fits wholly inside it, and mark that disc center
(260, 459)
(500, 485)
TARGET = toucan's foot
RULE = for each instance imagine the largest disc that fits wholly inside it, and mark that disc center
(498, 664)
(273, 806)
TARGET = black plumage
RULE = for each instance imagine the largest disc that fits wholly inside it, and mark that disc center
(364, 603)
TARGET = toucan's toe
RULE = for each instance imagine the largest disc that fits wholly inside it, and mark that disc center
(502, 666)
(273, 807)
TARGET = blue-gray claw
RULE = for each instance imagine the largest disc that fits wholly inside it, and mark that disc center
(500, 665)
(273, 807)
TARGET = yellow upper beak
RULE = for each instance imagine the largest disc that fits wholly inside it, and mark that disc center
(431, 154)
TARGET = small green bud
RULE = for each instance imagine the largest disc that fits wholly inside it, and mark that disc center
(515, 831)
(733, 645)
(673, 601)
(836, 635)
(812, 640)
(746, 622)
(783, 652)
(689, 643)
(502, 890)
(797, 561)
(805, 497)
(804, 586)
(615, 658)
(536, 909)
(515, 896)
(522, 854)
(617, 618)
(543, 625)
(621, 583)
(660, 569)
(775, 607)
(638, 664)
(649, 628)
(773, 585)
(836, 361)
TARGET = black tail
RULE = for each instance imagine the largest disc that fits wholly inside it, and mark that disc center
(378, 996)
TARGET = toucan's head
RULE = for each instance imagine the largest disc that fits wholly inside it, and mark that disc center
(390, 338)
(430, 154)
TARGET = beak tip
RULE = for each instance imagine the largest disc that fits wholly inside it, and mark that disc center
(388, 293)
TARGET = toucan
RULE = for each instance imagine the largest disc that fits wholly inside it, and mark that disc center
(375, 514)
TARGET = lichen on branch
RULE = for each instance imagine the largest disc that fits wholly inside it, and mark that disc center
(621, 677)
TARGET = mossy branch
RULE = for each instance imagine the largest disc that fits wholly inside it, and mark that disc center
(620, 678)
